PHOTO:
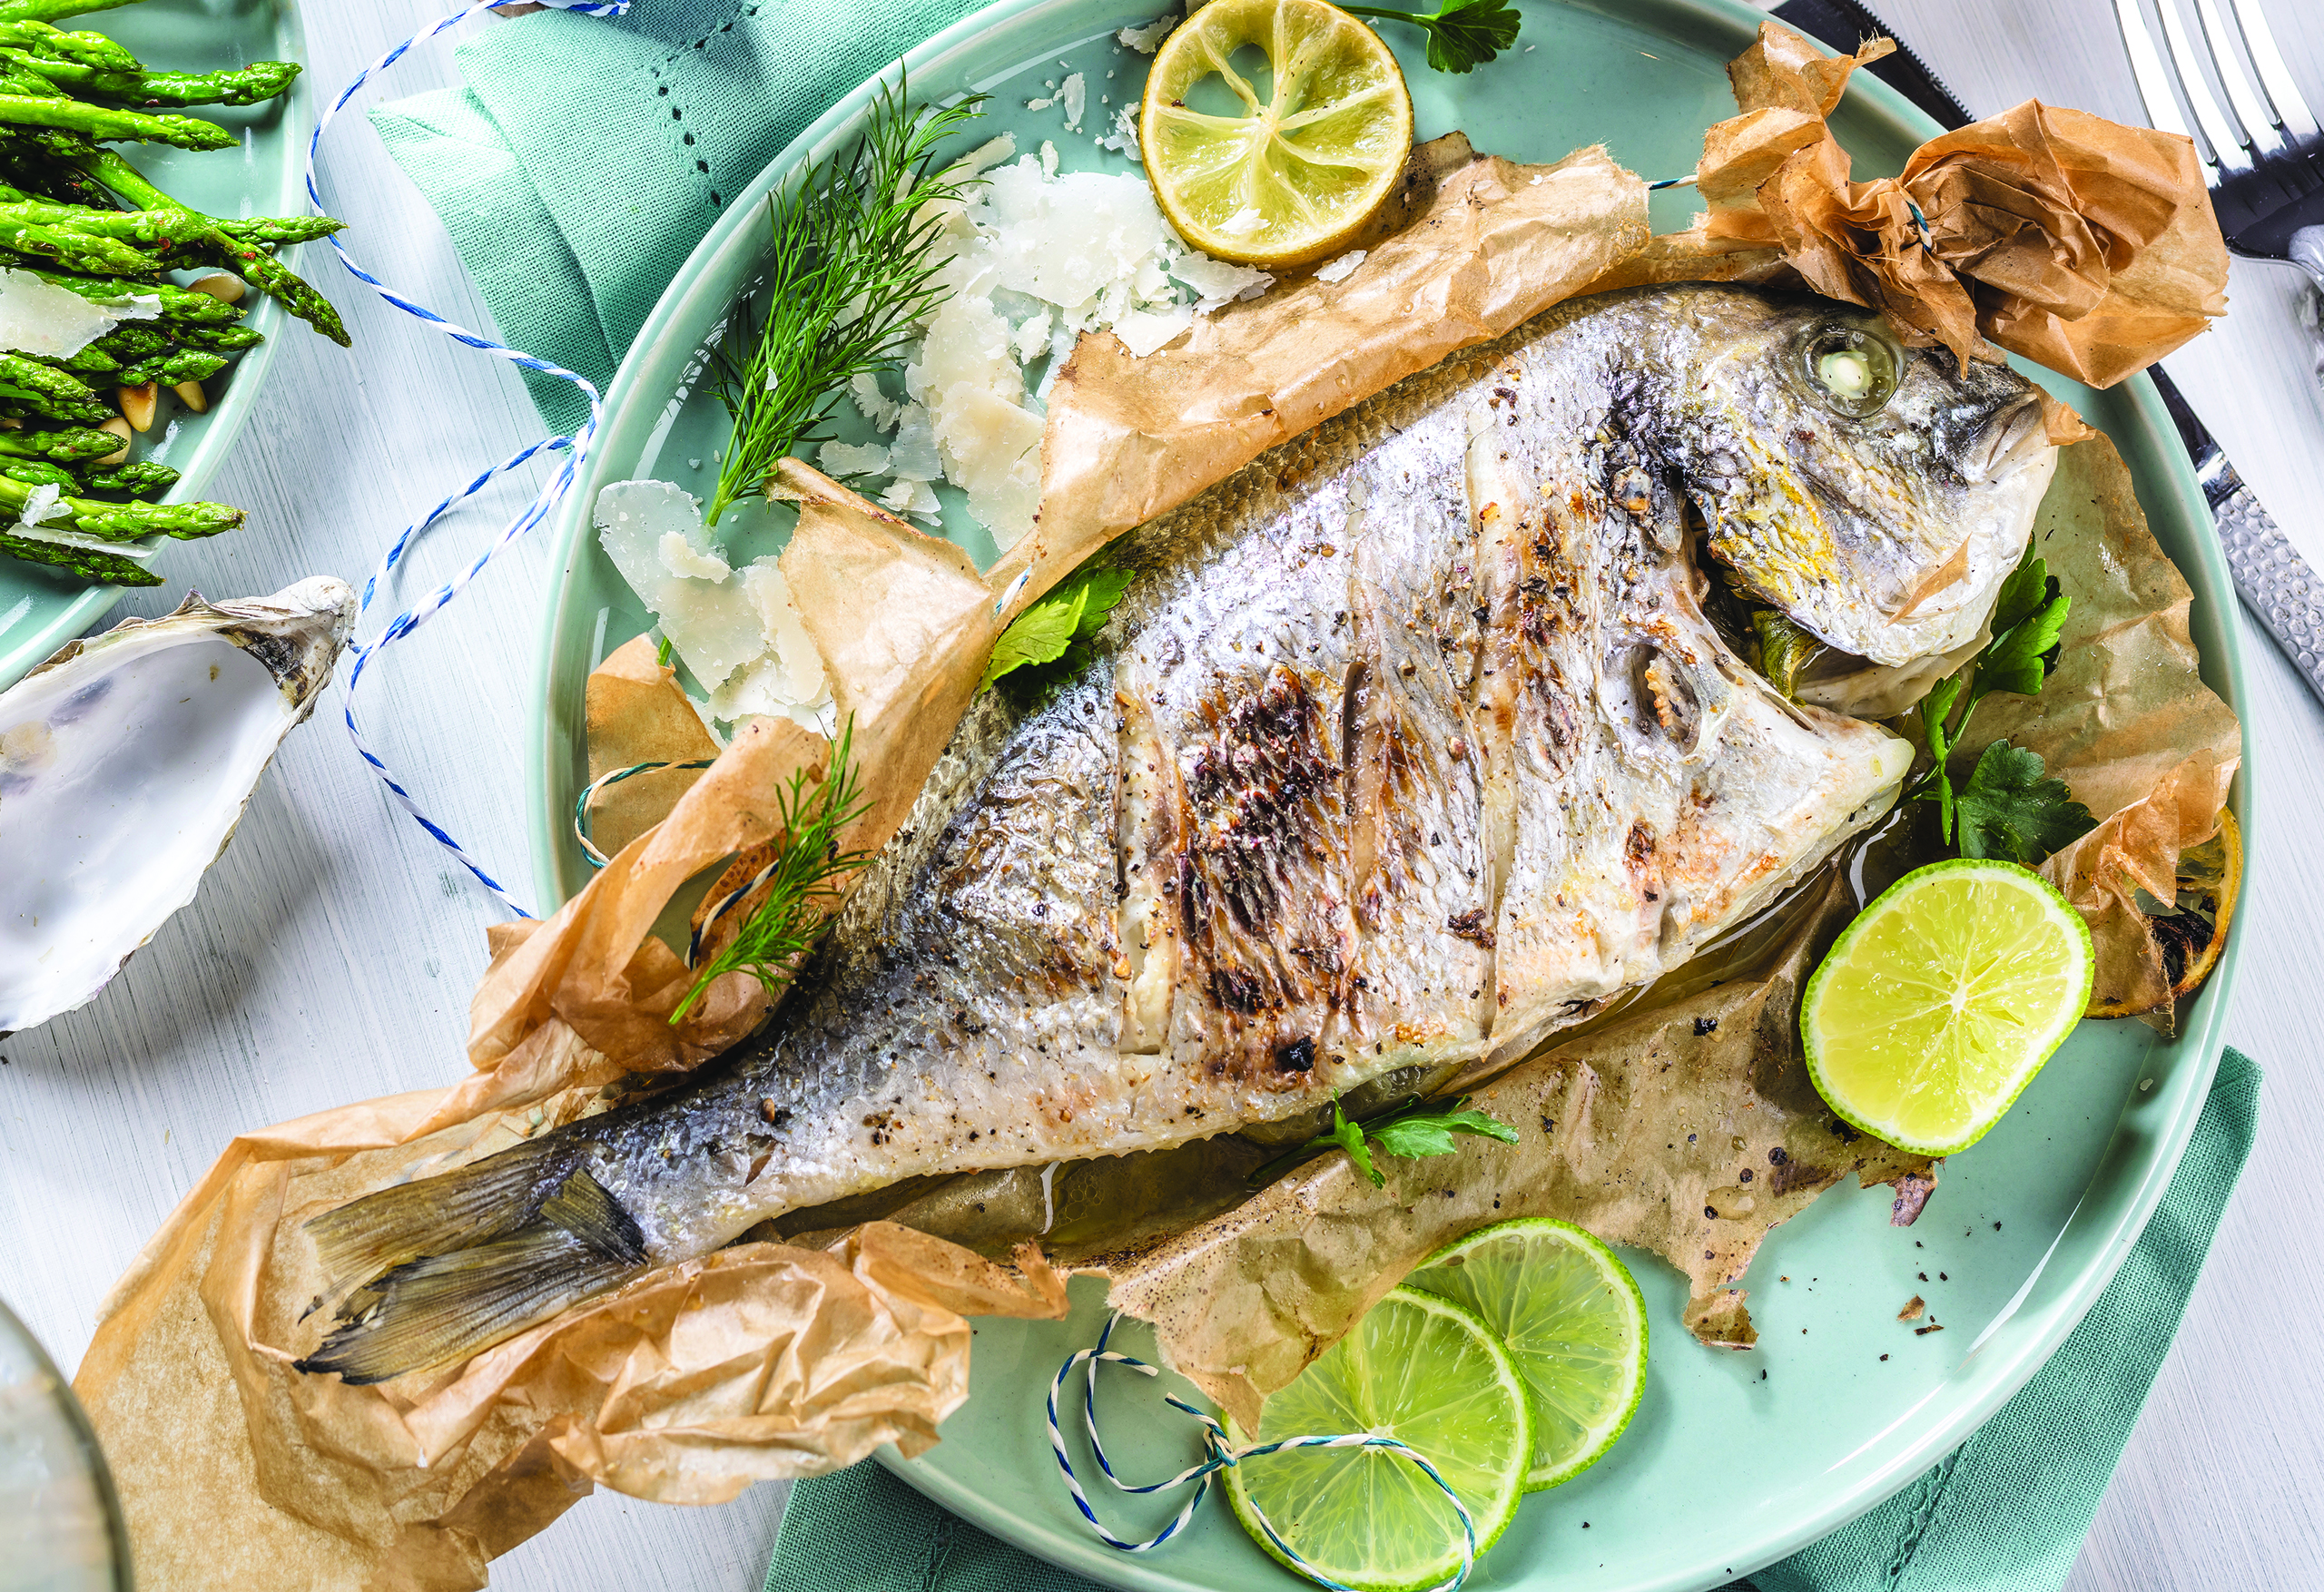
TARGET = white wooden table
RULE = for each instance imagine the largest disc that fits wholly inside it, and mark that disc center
(332, 949)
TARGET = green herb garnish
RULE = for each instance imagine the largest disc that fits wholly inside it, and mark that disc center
(2010, 808)
(854, 258)
(1408, 1132)
(1044, 644)
(803, 878)
(1461, 33)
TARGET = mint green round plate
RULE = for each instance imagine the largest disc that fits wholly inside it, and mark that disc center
(42, 609)
(1734, 1460)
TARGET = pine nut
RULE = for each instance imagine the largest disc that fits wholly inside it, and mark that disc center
(137, 404)
(191, 394)
(220, 284)
(116, 427)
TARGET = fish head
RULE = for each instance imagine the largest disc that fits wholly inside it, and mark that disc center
(1875, 493)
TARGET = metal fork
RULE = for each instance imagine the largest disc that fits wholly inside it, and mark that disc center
(2263, 161)
(2262, 152)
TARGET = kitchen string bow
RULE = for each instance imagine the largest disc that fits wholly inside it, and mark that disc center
(1220, 1455)
(574, 448)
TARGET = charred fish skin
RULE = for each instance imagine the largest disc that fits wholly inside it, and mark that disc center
(1413, 746)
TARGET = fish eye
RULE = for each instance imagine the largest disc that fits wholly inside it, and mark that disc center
(1850, 370)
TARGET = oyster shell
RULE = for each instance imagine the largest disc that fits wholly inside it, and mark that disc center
(125, 761)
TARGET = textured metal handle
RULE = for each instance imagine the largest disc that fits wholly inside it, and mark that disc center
(2308, 254)
(2274, 580)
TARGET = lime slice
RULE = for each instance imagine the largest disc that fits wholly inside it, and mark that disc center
(1571, 1318)
(1937, 1006)
(1417, 1367)
(1277, 165)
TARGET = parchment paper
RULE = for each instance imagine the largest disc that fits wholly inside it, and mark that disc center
(2086, 245)
(769, 1359)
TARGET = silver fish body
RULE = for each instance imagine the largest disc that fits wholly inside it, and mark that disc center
(1410, 745)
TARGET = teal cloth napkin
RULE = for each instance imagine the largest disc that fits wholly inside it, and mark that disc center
(2004, 1512)
(586, 156)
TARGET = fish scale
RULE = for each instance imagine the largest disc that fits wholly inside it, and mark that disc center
(1410, 746)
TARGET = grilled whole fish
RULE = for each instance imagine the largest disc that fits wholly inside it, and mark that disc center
(1410, 746)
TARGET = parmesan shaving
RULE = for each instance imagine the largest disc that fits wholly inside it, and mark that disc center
(1340, 269)
(845, 460)
(1075, 97)
(37, 317)
(1147, 39)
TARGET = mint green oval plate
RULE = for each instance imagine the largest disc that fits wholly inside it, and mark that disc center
(1734, 1460)
(42, 609)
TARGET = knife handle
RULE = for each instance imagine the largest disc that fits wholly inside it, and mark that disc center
(2270, 577)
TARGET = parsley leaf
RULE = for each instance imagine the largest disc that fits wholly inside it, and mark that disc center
(1044, 632)
(2010, 810)
(1461, 33)
(1430, 1133)
(1408, 1132)
(1349, 1137)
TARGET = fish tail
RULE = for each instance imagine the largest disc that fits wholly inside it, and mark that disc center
(455, 1263)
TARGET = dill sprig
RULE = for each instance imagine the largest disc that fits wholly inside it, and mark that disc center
(852, 276)
(801, 882)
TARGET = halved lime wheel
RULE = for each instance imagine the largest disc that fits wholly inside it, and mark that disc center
(1423, 1369)
(1572, 1320)
(1279, 168)
(1936, 1007)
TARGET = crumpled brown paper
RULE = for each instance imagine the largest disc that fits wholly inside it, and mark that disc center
(2081, 243)
(638, 712)
(2125, 721)
(759, 1362)
(1487, 244)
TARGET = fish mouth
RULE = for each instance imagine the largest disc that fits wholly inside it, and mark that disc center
(2014, 439)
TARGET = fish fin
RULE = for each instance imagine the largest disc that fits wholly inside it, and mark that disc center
(434, 1216)
(438, 1308)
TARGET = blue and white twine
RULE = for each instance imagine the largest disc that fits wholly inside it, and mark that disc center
(576, 449)
(1221, 1455)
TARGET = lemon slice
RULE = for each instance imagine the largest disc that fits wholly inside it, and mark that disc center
(1417, 1367)
(1573, 1321)
(1937, 1006)
(1281, 167)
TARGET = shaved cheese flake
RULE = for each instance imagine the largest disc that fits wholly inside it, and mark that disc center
(1144, 330)
(873, 404)
(1147, 39)
(40, 506)
(993, 449)
(1217, 283)
(1032, 340)
(914, 457)
(916, 498)
(1242, 223)
(37, 317)
(1075, 97)
(1123, 139)
(712, 623)
(846, 459)
(1340, 269)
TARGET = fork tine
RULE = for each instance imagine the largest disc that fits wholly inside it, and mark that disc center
(2299, 120)
(2146, 66)
(2251, 109)
(2226, 139)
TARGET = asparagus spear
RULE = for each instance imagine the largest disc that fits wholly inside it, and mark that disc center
(73, 445)
(235, 85)
(34, 472)
(170, 369)
(102, 121)
(90, 563)
(51, 10)
(119, 522)
(225, 339)
(257, 266)
(178, 304)
(48, 392)
(90, 360)
(54, 44)
(137, 478)
(70, 248)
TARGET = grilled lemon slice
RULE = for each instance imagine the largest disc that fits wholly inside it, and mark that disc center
(1279, 165)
